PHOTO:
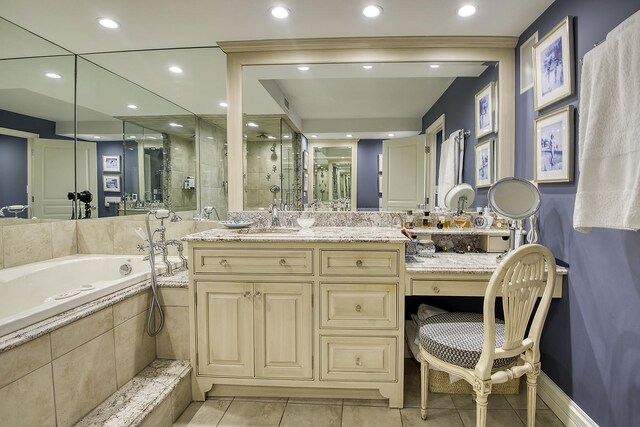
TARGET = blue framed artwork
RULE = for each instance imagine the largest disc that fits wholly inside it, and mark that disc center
(484, 162)
(553, 146)
(484, 110)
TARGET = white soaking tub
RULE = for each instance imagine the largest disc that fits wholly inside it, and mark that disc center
(34, 292)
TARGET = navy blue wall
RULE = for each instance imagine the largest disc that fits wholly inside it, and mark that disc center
(367, 192)
(107, 148)
(457, 104)
(591, 340)
(44, 128)
(13, 171)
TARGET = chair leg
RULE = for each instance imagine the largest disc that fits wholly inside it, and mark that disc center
(482, 401)
(532, 384)
(424, 388)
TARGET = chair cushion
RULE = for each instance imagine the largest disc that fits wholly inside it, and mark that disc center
(457, 338)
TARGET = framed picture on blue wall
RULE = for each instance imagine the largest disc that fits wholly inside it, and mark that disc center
(484, 162)
(553, 146)
(484, 110)
(111, 184)
(111, 163)
(553, 64)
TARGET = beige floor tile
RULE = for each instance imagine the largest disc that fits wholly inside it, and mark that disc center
(466, 402)
(544, 418)
(29, 401)
(305, 415)
(173, 341)
(261, 399)
(412, 395)
(519, 401)
(366, 402)
(436, 418)
(495, 418)
(135, 349)
(24, 359)
(367, 416)
(255, 414)
(203, 414)
(315, 401)
(65, 339)
(83, 378)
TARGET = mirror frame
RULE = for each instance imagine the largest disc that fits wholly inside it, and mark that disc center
(368, 50)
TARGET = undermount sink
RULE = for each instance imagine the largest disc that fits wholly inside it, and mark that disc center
(268, 230)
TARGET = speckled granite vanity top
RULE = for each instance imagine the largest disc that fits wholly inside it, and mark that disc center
(310, 235)
(454, 263)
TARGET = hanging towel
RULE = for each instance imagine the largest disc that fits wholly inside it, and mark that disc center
(451, 161)
(608, 193)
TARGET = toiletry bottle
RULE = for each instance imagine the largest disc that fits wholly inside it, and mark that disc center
(426, 219)
(447, 221)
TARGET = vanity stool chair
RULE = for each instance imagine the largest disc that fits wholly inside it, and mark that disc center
(484, 350)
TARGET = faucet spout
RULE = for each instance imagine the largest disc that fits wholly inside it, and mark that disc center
(275, 219)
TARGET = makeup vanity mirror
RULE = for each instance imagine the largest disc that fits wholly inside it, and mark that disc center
(333, 91)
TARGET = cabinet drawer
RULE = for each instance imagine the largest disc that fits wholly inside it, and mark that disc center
(359, 263)
(259, 261)
(359, 306)
(449, 287)
(358, 358)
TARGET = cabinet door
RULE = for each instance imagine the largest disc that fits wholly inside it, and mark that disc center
(225, 329)
(283, 329)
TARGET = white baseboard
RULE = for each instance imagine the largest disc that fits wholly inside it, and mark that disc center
(565, 409)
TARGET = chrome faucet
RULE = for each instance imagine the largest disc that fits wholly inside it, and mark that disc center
(275, 219)
(15, 210)
(178, 244)
(161, 246)
(206, 213)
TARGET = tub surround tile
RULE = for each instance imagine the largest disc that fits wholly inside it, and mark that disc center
(83, 378)
(95, 236)
(34, 392)
(125, 238)
(22, 360)
(176, 297)
(173, 341)
(134, 348)
(24, 244)
(64, 238)
(138, 398)
(81, 331)
(131, 307)
(160, 416)
(181, 397)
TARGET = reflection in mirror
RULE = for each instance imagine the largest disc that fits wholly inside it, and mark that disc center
(332, 179)
(36, 99)
(136, 150)
(382, 102)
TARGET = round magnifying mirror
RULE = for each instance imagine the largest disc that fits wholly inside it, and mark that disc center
(459, 197)
(514, 198)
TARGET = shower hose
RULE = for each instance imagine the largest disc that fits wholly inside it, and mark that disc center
(152, 329)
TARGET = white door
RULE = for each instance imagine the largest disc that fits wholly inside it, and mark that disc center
(53, 175)
(403, 175)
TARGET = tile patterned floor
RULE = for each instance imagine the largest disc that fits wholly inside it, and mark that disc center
(444, 411)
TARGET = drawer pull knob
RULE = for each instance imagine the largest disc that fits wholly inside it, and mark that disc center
(436, 289)
(359, 263)
(358, 361)
(358, 308)
(246, 294)
(257, 294)
(283, 262)
(224, 262)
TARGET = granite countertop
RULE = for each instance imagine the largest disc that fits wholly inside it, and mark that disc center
(310, 235)
(454, 263)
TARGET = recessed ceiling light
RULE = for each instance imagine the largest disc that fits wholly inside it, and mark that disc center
(271, 137)
(367, 67)
(209, 137)
(108, 23)
(252, 125)
(132, 137)
(467, 10)
(434, 65)
(151, 137)
(175, 125)
(286, 137)
(244, 135)
(303, 68)
(349, 135)
(223, 104)
(280, 12)
(96, 137)
(53, 75)
(314, 136)
(392, 134)
(132, 106)
(175, 69)
(371, 11)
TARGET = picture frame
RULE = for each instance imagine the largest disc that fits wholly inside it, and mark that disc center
(379, 163)
(484, 163)
(553, 146)
(484, 106)
(111, 163)
(111, 184)
(526, 63)
(553, 65)
(305, 160)
(305, 182)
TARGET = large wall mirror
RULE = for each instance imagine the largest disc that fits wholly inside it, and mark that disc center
(368, 92)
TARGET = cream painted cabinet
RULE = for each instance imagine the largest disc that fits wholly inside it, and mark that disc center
(254, 329)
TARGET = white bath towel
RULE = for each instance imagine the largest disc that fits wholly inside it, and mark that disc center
(608, 193)
(451, 161)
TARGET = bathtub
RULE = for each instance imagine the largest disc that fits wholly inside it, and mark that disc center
(34, 292)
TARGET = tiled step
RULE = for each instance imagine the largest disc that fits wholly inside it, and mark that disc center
(155, 397)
